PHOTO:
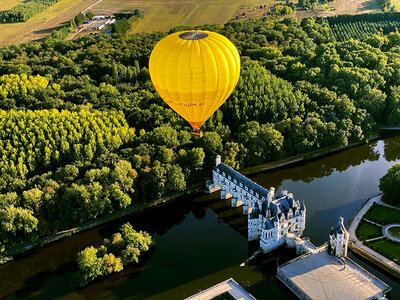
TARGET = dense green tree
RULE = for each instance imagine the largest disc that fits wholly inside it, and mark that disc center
(124, 247)
(389, 184)
(90, 266)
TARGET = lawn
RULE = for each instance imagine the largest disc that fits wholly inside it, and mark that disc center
(395, 231)
(387, 248)
(367, 231)
(383, 215)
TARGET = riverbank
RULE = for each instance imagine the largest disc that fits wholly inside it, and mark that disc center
(389, 127)
(99, 221)
(358, 247)
(300, 158)
(192, 189)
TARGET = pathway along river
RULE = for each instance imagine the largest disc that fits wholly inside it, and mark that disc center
(201, 240)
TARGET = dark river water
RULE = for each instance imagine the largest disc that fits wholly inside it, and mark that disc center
(200, 240)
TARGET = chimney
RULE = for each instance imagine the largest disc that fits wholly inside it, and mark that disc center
(218, 160)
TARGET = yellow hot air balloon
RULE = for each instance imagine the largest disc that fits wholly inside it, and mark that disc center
(194, 72)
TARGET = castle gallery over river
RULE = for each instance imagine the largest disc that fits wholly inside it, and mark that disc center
(323, 272)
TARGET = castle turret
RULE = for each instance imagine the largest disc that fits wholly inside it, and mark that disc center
(338, 240)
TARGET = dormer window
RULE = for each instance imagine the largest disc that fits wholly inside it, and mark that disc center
(223, 173)
(257, 195)
(235, 181)
(247, 188)
(241, 185)
(229, 177)
(252, 192)
(218, 171)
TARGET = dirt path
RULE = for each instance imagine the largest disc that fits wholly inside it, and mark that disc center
(343, 7)
(45, 28)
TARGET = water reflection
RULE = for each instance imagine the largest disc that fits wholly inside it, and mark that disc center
(392, 148)
(319, 168)
(201, 240)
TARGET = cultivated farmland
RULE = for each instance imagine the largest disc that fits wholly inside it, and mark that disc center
(360, 27)
(7, 4)
(161, 15)
(43, 23)
(343, 7)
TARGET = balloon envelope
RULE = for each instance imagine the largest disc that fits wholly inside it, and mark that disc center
(194, 72)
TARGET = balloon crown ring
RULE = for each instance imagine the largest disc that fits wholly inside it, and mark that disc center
(193, 35)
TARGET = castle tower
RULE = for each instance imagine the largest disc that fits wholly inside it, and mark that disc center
(338, 240)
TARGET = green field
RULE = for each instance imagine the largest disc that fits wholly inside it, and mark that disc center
(383, 215)
(395, 231)
(367, 231)
(387, 248)
(160, 15)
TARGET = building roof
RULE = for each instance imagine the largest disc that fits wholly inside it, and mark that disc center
(269, 225)
(270, 208)
(291, 202)
(283, 204)
(264, 208)
(230, 286)
(262, 192)
(274, 209)
(255, 213)
(339, 229)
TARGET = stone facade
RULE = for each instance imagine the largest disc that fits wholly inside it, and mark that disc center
(271, 216)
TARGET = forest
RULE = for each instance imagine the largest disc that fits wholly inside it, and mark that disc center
(83, 132)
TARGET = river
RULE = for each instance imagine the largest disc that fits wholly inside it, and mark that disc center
(200, 240)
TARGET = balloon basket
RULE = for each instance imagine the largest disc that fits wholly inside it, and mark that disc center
(197, 132)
